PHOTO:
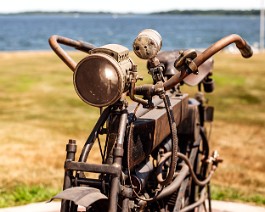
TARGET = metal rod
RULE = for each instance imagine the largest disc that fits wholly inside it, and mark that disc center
(241, 44)
(68, 174)
(122, 128)
(175, 184)
(262, 26)
(196, 204)
(96, 183)
(95, 168)
(194, 177)
(118, 154)
(54, 42)
(92, 137)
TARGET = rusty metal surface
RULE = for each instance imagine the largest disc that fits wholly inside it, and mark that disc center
(189, 126)
(87, 167)
(152, 128)
(168, 58)
(146, 132)
(241, 44)
(84, 196)
(54, 43)
(158, 115)
(147, 44)
(204, 70)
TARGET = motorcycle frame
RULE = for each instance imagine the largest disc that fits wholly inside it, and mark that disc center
(112, 169)
(115, 169)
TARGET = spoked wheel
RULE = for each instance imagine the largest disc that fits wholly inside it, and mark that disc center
(192, 196)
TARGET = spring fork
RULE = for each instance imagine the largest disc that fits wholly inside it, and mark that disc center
(118, 154)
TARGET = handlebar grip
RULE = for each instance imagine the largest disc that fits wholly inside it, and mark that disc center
(246, 51)
(241, 44)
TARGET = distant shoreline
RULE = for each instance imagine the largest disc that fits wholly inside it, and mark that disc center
(171, 12)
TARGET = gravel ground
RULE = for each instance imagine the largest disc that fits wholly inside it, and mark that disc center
(218, 206)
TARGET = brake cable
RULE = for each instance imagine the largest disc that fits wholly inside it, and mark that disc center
(174, 138)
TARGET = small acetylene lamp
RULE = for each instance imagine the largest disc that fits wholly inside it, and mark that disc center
(102, 77)
(147, 44)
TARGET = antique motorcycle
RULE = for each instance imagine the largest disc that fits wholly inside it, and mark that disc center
(155, 153)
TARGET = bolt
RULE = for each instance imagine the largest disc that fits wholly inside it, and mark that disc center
(72, 141)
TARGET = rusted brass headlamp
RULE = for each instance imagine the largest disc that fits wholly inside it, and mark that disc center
(102, 77)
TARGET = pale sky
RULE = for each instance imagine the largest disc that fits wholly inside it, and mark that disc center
(122, 6)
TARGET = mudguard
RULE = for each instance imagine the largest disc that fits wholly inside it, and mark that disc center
(84, 196)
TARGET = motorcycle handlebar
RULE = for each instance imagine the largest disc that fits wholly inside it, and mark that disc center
(241, 44)
(55, 42)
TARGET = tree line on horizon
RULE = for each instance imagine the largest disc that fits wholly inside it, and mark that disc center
(209, 12)
(171, 12)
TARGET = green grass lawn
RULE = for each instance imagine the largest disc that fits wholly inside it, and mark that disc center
(40, 111)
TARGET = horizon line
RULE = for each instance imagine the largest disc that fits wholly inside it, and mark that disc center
(147, 13)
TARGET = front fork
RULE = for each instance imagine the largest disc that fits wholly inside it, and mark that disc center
(118, 155)
(68, 175)
(118, 152)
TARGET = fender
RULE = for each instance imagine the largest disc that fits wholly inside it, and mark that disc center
(84, 196)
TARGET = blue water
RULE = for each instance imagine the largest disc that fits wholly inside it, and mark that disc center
(31, 32)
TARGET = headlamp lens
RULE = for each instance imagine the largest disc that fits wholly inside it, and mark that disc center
(97, 80)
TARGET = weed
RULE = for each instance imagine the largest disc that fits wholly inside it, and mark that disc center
(230, 193)
(22, 194)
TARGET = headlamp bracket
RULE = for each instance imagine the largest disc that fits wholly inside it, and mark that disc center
(118, 52)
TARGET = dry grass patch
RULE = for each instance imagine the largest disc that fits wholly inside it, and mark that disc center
(40, 111)
(241, 147)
